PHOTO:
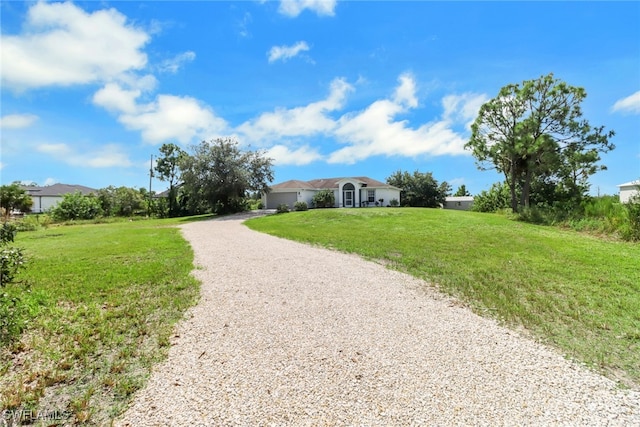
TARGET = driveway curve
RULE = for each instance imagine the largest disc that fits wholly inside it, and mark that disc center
(290, 334)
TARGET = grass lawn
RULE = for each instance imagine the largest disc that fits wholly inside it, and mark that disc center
(100, 307)
(576, 292)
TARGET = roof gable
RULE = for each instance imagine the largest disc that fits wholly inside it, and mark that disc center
(630, 184)
(327, 183)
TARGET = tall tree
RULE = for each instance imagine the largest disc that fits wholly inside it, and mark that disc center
(534, 130)
(168, 168)
(419, 189)
(462, 191)
(219, 175)
(12, 197)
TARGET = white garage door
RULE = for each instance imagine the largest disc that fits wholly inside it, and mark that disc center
(275, 199)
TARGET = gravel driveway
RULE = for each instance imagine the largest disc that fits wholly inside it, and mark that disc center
(289, 334)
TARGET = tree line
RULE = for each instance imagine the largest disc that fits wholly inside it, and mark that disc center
(215, 177)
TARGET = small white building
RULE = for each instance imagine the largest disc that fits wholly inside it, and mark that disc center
(349, 192)
(45, 198)
(461, 203)
(628, 190)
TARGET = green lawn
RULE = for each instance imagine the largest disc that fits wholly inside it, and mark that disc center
(576, 292)
(100, 308)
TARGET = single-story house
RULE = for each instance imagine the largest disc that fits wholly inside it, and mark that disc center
(44, 198)
(349, 192)
(461, 203)
(628, 190)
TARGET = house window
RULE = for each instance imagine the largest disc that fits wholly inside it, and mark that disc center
(371, 196)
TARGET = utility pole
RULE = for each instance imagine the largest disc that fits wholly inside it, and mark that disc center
(150, 178)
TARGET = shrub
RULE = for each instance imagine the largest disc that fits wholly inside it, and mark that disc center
(11, 258)
(33, 222)
(493, 200)
(632, 230)
(324, 199)
(11, 262)
(394, 203)
(300, 206)
(77, 206)
(282, 208)
(11, 318)
(255, 204)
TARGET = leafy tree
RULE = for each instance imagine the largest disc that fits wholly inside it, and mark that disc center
(12, 197)
(419, 189)
(534, 131)
(324, 199)
(121, 201)
(496, 198)
(219, 175)
(168, 168)
(462, 191)
(77, 206)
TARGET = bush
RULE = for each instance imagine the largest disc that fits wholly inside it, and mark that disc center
(77, 206)
(282, 208)
(11, 318)
(255, 204)
(33, 222)
(11, 262)
(324, 199)
(300, 206)
(11, 258)
(394, 203)
(632, 230)
(493, 200)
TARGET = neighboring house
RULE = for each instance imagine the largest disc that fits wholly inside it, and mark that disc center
(628, 190)
(349, 192)
(44, 198)
(461, 203)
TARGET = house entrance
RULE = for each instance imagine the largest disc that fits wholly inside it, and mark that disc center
(347, 195)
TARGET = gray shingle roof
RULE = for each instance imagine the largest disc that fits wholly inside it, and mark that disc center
(58, 190)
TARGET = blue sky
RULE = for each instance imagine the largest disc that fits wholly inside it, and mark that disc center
(90, 90)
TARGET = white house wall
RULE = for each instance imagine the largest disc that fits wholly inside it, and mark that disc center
(44, 203)
(307, 197)
(626, 193)
(386, 194)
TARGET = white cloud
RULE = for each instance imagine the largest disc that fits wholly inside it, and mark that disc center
(116, 99)
(167, 118)
(243, 25)
(170, 117)
(283, 155)
(64, 45)
(109, 155)
(17, 121)
(285, 52)
(630, 104)
(50, 181)
(463, 108)
(173, 65)
(299, 121)
(374, 131)
(405, 94)
(293, 8)
(456, 182)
